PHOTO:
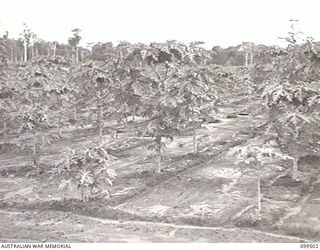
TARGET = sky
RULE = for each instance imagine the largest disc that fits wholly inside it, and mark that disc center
(215, 22)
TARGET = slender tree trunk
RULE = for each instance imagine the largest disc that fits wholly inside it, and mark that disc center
(77, 54)
(194, 134)
(5, 132)
(20, 143)
(159, 155)
(36, 51)
(195, 141)
(12, 55)
(73, 117)
(32, 51)
(100, 117)
(25, 47)
(36, 153)
(54, 49)
(259, 194)
(68, 164)
(247, 59)
(125, 121)
(249, 98)
(158, 171)
(134, 116)
(76, 113)
(60, 127)
(82, 55)
(296, 158)
(295, 165)
(251, 59)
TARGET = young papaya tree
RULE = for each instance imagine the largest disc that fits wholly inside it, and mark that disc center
(92, 95)
(90, 169)
(290, 98)
(293, 117)
(39, 99)
(198, 99)
(159, 103)
(195, 93)
(8, 108)
(125, 74)
(175, 94)
(60, 90)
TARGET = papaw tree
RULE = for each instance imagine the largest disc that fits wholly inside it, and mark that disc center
(291, 98)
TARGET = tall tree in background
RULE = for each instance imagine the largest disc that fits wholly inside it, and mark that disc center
(26, 37)
(249, 49)
(3, 45)
(74, 42)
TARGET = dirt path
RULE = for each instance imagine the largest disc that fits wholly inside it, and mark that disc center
(53, 226)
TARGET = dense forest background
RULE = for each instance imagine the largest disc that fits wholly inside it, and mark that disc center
(30, 46)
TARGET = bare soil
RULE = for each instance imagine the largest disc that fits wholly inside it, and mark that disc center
(203, 197)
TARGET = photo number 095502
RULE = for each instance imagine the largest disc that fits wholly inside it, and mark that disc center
(310, 246)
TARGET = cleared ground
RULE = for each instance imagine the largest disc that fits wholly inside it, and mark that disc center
(197, 198)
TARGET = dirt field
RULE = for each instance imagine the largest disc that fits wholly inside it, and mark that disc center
(197, 198)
